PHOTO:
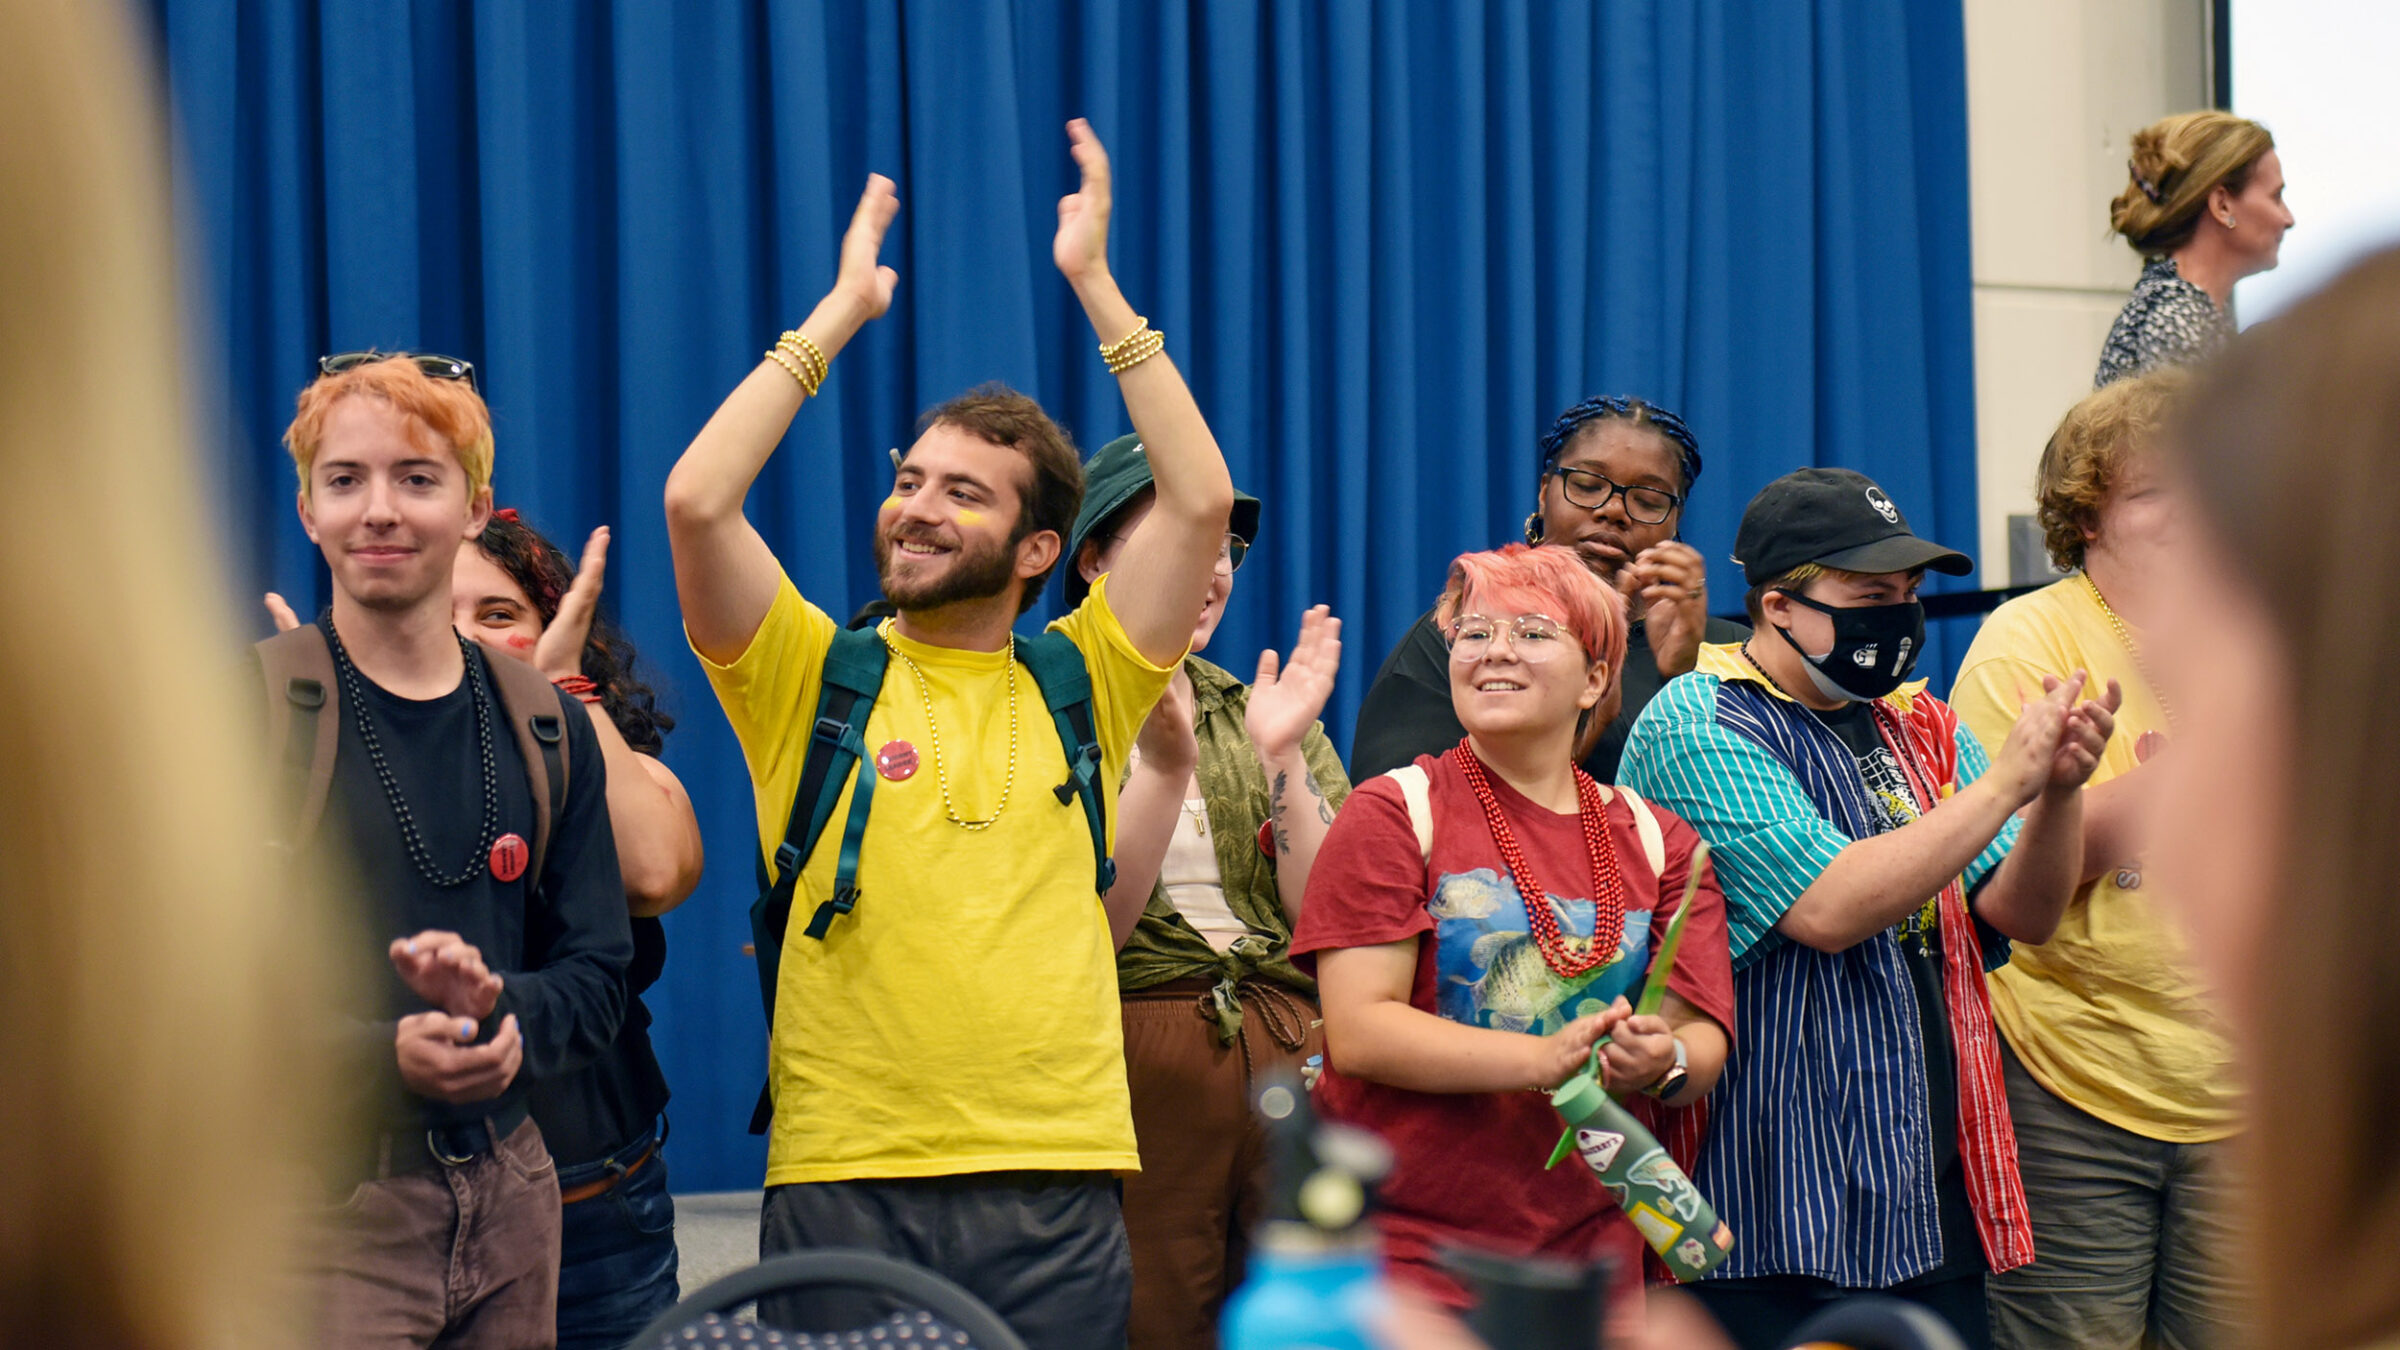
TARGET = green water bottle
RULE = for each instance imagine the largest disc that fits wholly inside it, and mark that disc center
(1674, 1218)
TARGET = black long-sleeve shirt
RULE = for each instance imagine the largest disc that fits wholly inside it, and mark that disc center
(1407, 710)
(561, 948)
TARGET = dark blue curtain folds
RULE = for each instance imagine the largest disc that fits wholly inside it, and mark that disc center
(1386, 242)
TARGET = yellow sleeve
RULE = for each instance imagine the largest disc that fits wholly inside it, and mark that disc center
(1125, 685)
(770, 691)
(2002, 672)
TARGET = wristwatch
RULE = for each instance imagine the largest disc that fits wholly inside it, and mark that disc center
(1677, 1074)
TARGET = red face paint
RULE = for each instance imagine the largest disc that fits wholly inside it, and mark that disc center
(518, 642)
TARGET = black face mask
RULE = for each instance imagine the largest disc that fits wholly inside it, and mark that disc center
(1874, 648)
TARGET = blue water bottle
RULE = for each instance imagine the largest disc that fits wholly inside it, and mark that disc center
(1314, 1281)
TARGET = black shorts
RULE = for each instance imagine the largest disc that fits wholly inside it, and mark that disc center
(1046, 1250)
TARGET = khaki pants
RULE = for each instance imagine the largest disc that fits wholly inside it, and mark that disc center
(1190, 1209)
(463, 1256)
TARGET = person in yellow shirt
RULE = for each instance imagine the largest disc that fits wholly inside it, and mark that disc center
(2118, 1076)
(946, 1061)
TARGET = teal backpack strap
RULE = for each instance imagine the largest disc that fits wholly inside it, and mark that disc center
(1057, 666)
(836, 746)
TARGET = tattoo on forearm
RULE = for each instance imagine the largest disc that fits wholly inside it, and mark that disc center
(1283, 834)
(1324, 807)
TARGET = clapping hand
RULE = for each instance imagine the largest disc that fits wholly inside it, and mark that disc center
(1289, 696)
(1081, 248)
(1666, 587)
(447, 972)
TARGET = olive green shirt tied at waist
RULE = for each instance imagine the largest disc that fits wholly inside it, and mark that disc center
(1164, 946)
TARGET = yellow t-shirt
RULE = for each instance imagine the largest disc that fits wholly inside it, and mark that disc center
(2107, 1014)
(964, 1017)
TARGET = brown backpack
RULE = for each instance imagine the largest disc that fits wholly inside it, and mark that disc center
(304, 726)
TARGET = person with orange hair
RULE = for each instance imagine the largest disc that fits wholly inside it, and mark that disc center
(1449, 994)
(2204, 207)
(507, 909)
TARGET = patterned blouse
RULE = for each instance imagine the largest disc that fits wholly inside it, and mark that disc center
(2167, 321)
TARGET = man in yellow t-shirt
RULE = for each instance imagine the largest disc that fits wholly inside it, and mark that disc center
(2118, 1075)
(946, 1062)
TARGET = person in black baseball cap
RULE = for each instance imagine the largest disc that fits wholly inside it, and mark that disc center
(1218, 824)
(1837, 524)
(1876, 863)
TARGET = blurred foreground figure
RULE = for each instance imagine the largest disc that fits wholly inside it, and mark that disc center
(155, 1074)
(2273, 824)
(2118, 1075)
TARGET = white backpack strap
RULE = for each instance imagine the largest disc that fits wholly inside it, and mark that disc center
(1416, 788)
(1645, 824)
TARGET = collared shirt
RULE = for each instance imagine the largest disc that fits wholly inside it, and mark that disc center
(1164, 946)
(1821, 1154)
(2167, 321)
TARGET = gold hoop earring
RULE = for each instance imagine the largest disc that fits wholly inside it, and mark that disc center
(1533, 528)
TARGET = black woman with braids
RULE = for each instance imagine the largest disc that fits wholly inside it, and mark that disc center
(1611, 484)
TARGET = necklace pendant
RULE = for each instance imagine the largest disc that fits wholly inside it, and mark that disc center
(510, 856)
(2129, 877)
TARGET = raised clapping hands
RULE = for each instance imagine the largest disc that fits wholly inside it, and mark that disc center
(559, 653)
(1081, 247)
(1289, 696)
(2056, 742)
(864, 285)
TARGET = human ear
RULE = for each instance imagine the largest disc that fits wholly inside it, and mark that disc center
(308, 521)
(1036, 552)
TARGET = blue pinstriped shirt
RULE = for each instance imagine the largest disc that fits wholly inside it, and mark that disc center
(1820, 1152)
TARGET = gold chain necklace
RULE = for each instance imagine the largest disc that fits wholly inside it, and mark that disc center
(934, 730)
(2132, 649)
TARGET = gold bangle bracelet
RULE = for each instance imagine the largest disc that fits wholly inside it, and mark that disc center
(810, 356)
(1127, 360)
(1110, 351)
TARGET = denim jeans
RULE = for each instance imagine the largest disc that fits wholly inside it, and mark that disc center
(618, 1267)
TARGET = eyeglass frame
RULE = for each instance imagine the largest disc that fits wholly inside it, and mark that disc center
(1233, 550)
(1675, 500)
(1516, 635)
(433, 364)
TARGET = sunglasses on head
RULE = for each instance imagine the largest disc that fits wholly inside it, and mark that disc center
(435, 367)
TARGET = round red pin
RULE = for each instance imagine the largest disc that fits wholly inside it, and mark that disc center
(897, 761)
(510, 856)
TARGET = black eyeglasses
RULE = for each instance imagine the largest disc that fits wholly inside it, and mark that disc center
(434, 366)
(1591, 491)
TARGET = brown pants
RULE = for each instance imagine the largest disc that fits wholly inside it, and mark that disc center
(463, 1256)
(1189, 1211)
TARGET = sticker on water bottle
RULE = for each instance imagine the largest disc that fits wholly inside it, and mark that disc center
(1598, 1147)
(1657, 1229)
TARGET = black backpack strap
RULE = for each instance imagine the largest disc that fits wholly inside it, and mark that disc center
(534, 710)
(304, 721)
(853, 676)
(1057, 666)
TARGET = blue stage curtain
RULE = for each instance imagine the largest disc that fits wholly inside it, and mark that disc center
(1386, 242)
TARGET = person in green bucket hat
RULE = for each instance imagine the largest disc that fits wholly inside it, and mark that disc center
(1229, 794)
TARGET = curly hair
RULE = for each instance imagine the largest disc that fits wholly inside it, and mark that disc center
(2177, 161)
(2079, 465)
(543, 573)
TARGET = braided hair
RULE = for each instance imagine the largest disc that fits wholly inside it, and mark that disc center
(543, 573)
(1602, 407)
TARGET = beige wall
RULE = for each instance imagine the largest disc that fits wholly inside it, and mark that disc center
(2055, 91)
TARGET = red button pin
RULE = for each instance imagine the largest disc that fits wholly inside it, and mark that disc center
(897, 761)
(510, 856)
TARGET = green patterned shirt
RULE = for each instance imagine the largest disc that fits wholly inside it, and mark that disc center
(1164, 946)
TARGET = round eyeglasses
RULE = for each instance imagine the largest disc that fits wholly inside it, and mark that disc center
(1230, 551)
(1532, 638)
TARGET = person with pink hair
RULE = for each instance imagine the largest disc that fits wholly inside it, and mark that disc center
(1478, 920)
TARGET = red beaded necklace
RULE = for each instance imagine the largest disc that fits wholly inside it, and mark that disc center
(1569, 956)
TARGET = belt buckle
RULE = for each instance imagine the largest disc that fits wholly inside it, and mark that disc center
(433, 1145)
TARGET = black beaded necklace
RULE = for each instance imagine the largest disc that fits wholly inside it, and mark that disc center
(355, 695)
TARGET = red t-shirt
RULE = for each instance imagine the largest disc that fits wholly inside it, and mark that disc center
(1468, 1166)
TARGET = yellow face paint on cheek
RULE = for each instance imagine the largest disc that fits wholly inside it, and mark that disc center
(892, 503)
(970, 519)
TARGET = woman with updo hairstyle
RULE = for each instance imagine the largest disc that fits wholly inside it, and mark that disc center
(2203, 205)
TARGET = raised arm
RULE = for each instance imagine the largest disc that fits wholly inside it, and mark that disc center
(725, 575)
(1285, 702)
(1162, 577)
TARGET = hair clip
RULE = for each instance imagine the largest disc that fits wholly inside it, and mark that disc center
(507, 513)
(2149, 189)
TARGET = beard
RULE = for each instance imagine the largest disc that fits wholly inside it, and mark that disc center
(974, 572)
